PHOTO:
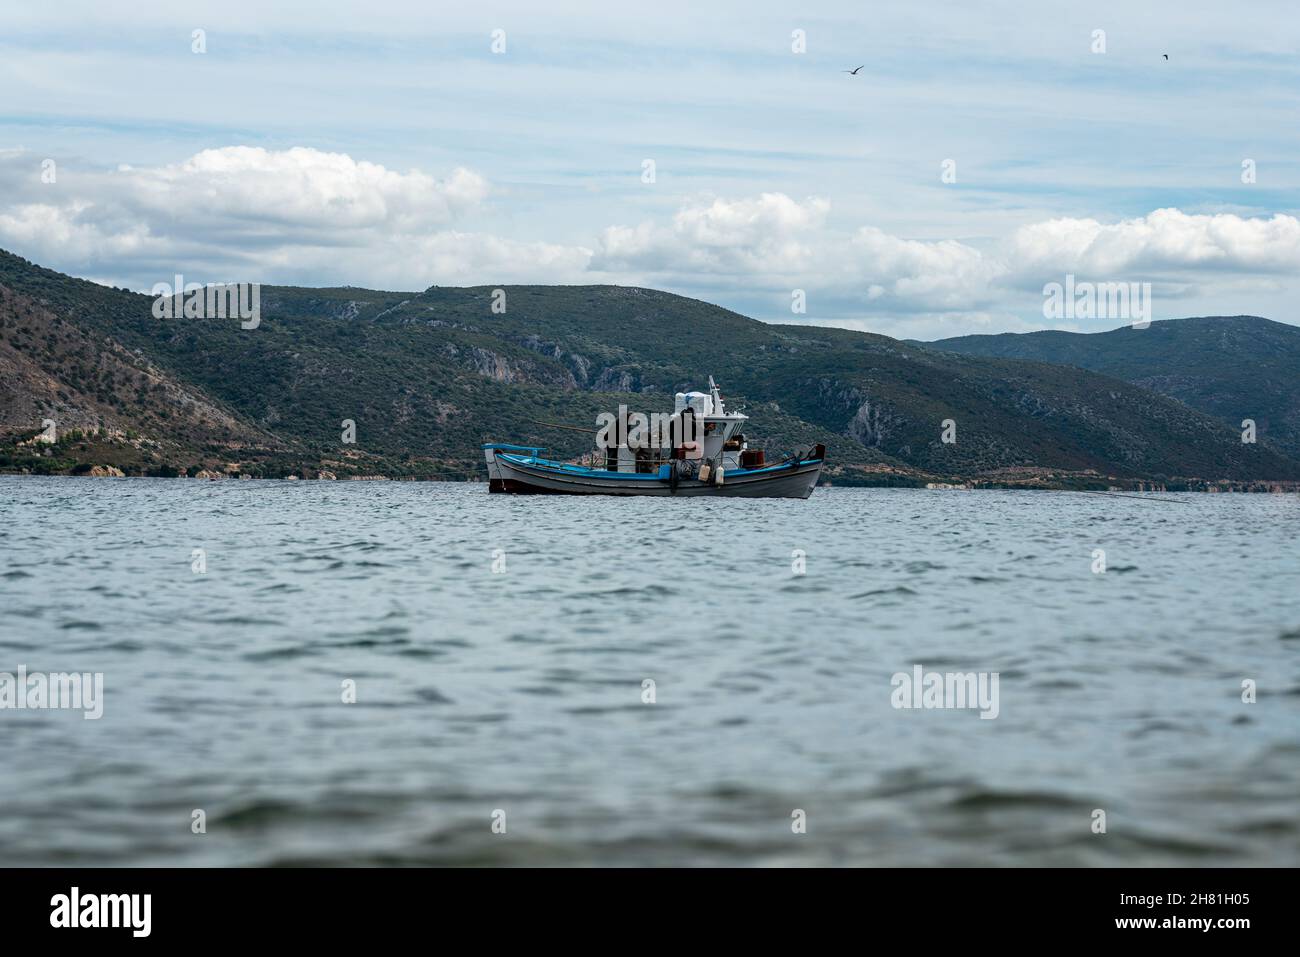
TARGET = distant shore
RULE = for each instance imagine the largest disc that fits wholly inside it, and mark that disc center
(104, 453)
(1059, 482)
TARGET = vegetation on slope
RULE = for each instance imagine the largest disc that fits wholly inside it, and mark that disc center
(426, 377)
(1230, 367)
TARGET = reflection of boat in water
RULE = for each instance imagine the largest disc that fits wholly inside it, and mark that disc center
(719, 463)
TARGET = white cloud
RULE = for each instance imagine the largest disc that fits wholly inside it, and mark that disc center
(773, 242)
(309, 217)
(943, 275)
(1164, 240)
(303, 187)
(297, 215)
(761, 236)
(749, 221)
(33, 227)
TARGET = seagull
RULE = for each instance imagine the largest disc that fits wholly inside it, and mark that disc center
(1166, 56)
(852, 72)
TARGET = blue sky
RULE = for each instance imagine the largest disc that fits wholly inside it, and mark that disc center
(387, 145)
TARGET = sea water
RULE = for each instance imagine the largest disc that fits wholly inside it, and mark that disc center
(397, 673)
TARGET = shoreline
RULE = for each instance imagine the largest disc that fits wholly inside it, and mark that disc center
(1078, 483)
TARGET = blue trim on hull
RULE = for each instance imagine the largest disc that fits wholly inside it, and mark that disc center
(567, 468)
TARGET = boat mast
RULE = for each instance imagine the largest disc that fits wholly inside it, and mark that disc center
(716, 396)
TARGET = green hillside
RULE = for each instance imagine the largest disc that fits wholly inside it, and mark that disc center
(1231, 367)
(428, 376)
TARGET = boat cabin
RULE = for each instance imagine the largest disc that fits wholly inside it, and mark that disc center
(717, 437)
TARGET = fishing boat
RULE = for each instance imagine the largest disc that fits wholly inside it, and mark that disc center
(707, 455)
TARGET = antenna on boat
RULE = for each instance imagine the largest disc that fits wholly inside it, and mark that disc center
(716, 396)
(570, 428)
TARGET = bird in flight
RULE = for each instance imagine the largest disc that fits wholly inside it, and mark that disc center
(852, 72)
(1166, 56)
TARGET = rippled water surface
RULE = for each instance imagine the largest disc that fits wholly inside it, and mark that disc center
(521, 690)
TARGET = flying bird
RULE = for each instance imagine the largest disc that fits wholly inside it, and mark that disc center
(1166, 56)
(852, 72)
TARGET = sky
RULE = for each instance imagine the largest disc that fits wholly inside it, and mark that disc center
(715, 150)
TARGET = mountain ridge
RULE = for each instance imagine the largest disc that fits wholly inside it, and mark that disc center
(425, 377)
(1230, 367)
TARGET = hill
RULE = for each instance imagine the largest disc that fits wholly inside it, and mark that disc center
(427, 376)
(1230, 367)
